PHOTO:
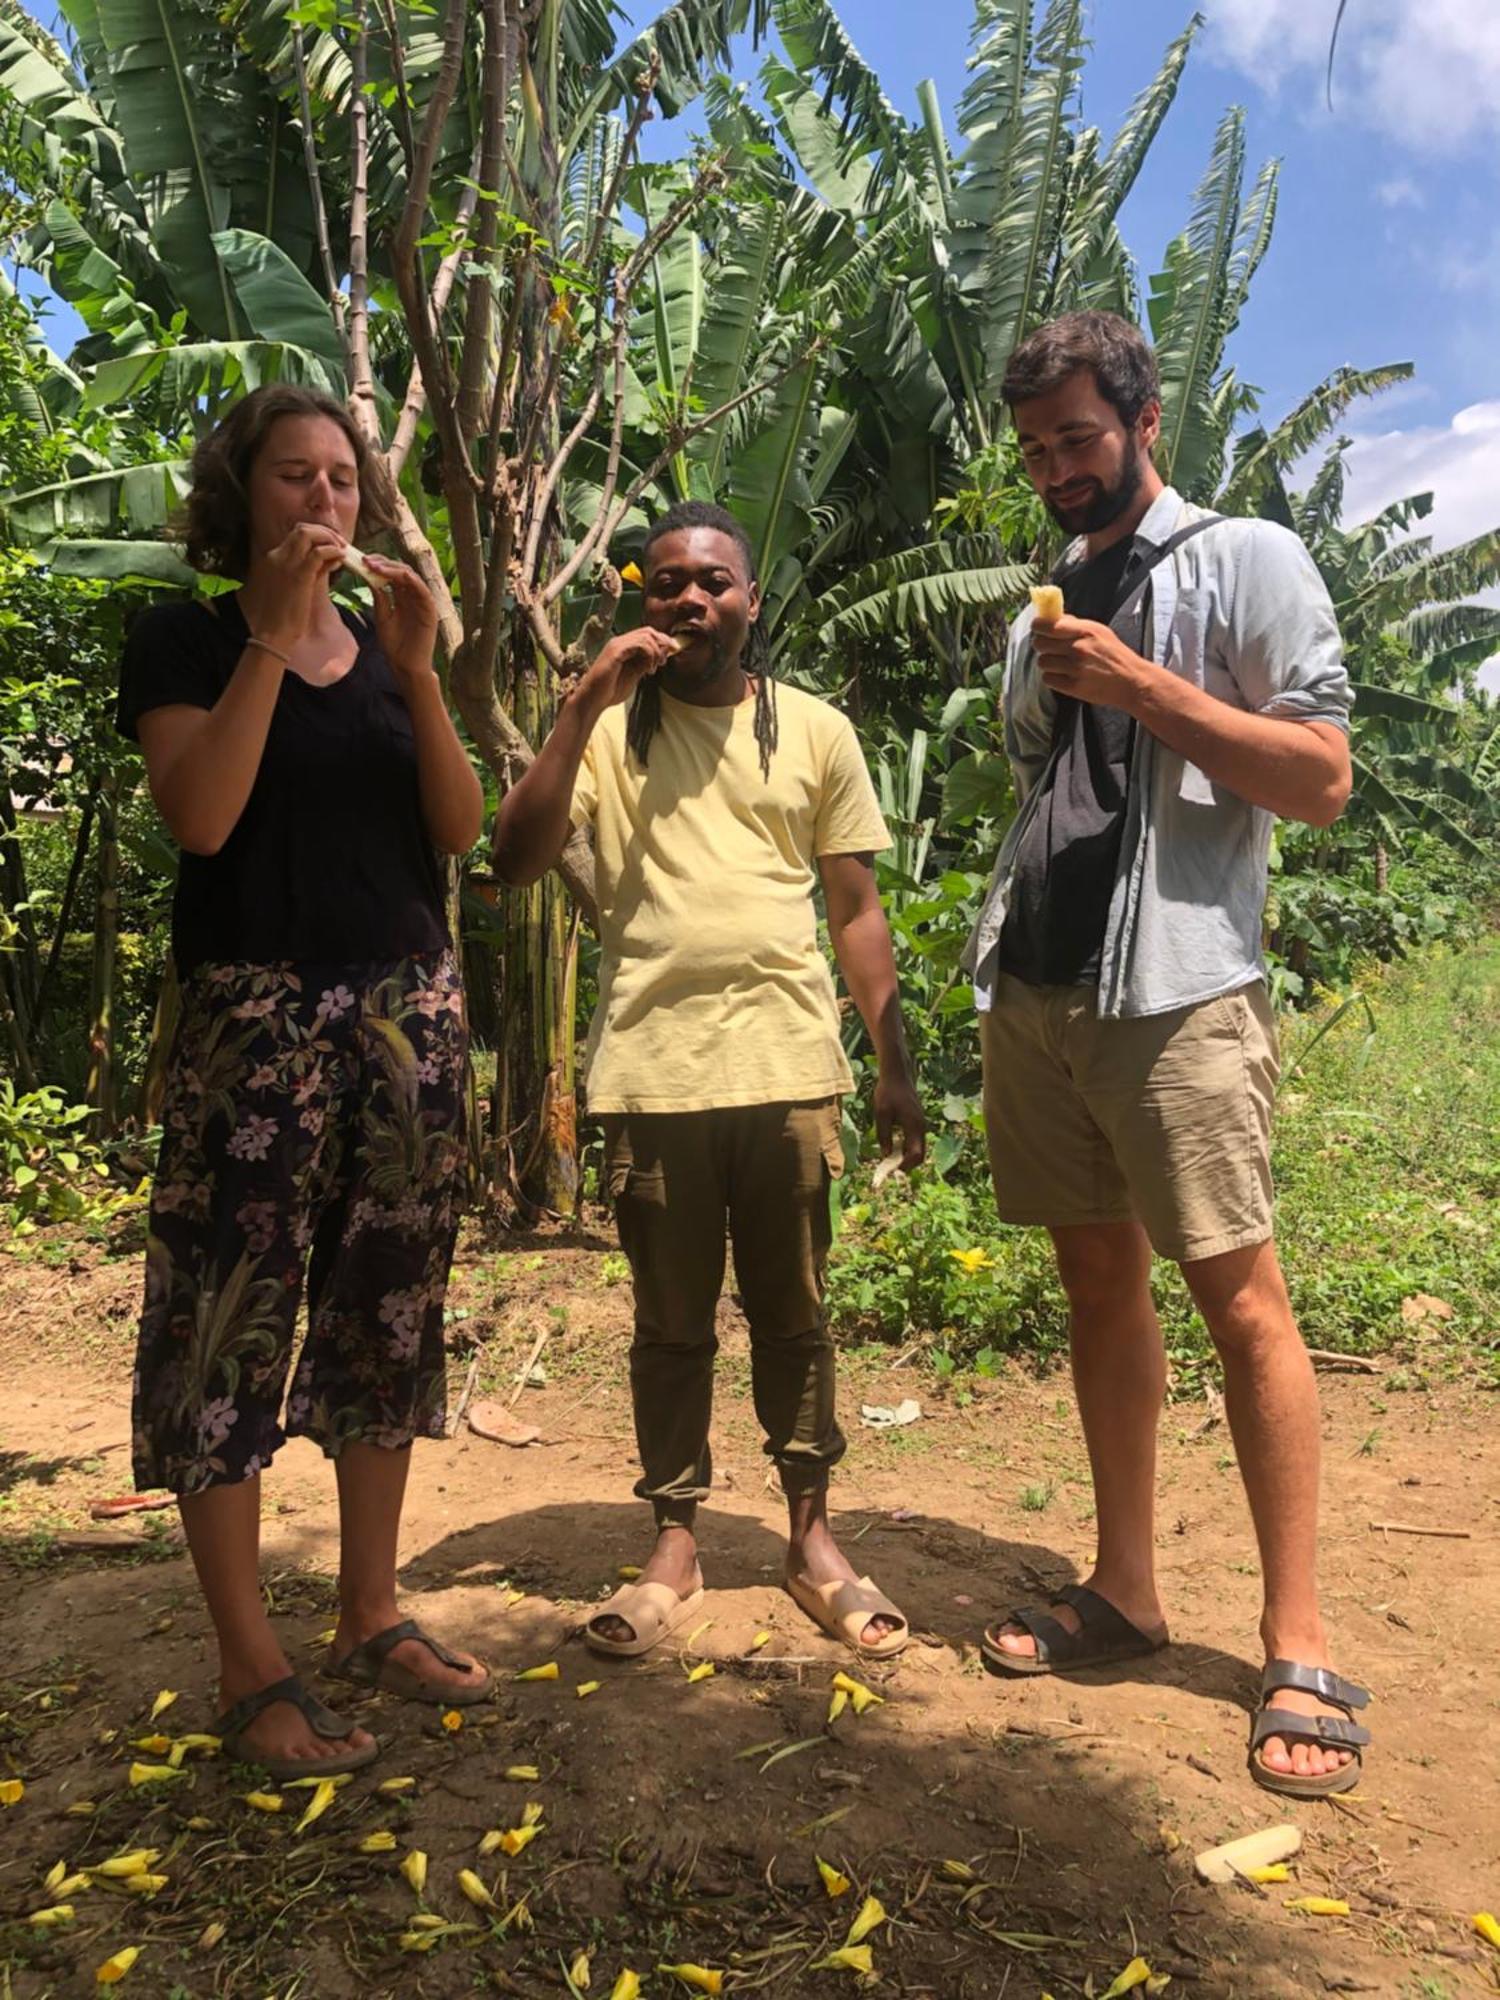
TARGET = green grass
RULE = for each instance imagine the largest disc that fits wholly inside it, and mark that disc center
(1387, 1163)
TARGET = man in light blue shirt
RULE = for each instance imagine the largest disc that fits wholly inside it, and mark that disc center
(1192, 691)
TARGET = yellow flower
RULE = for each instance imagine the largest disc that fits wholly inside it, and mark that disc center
(1488, 1929)
(163, 1702)
(585, 1688)
(701, 1977)
(551, 1672)
(518, 1837)
(702, 1672)
(378, 1843)
(532, 1814)
(1275, 1871)
(395, 1784)
(12, 1791)
(414, 1868)
(489, 1843)
(154, 1774)
(181, 1745)
(1315, 1906)
(871, 1916)
(418, 1940)
(452, 1721)
(861, 1696)
(60, 1913)
(154, 1746)
(760, 1639)
(959, 1871)
(835, 1883)
(474, 1889)
(68, 1886)
(626, 1987)
(628, 1572)
(145, 1885)
(80, 1808)
(322, 1798)
(523, 1774)
(212, 1935)
(579, 1972)
(631, 574)
(850, 1958)
(114, 1969)
(838, 1704)
(972, 1262)
(265, 1801)
(134, 1863)
(1137, 1973)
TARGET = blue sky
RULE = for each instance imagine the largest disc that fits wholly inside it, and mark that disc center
(1387, 245)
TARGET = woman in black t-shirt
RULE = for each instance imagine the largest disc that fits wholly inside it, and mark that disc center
(307, 766)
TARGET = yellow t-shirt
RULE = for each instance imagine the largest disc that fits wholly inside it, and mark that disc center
(712, 989)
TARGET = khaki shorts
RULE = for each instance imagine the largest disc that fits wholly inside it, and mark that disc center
(1164, 1118)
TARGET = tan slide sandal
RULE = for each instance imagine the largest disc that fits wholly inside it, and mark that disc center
(652, 1611)
(843, 1609)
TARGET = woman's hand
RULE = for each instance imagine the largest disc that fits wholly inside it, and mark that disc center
(406, 619)
(281, 604)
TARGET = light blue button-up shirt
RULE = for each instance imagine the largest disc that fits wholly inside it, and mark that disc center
(1240, 611)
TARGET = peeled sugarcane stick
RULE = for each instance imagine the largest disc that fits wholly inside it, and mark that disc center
(1047, 602)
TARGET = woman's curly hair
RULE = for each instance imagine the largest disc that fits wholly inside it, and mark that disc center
(214, 525)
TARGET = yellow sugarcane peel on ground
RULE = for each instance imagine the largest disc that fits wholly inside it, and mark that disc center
(835, 1883)
(760, 1639)
(515, 1838)
(628, 1572)
(382, 1842)
(114, 1969)
(1488, 1928)
(579, 1972)
(323, 1797)
(163, 1702)
(1318, 1906)
(837, 1705)
(453, 1720)
(338, 1782)
(702, 1672)
(154, 1746)
(626, 1987)
(702, 1978)
(522, 1774)
(871, 1916)
(212, 1935)
(1274, 1871)
(959, 1871)
(155, 1774)
(861, 1696)
(198, 1824)
(265, 1801)
(550, 1672)
(475, 1890)
(144, 1885)
(12, 1791)
(135, 1862)
(414, 1868)
(395, 1784)
(848, 1958)
(46, 1920)
(585, 1688)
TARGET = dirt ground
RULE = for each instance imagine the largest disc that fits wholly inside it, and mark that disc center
(672, 1832)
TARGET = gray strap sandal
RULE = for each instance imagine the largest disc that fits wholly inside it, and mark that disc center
(1330, 1732)
(1104, 1634)
(370, 1665)
(232, 1725)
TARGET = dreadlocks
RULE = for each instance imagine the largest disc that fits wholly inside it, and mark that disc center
(645, 707)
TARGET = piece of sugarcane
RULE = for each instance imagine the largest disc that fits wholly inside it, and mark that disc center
(1047, 602)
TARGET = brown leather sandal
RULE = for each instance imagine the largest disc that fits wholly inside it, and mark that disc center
(1330, 1732)
(370, 1665)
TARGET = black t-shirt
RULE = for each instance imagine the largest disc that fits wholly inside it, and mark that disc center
(1065, 869)
(329, 862)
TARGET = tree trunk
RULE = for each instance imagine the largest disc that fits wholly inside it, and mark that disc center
(163, 1033)
(103, 1084)
(65, 909)
(1382, 867)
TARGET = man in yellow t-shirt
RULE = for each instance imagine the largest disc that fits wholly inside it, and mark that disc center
(714, 1056)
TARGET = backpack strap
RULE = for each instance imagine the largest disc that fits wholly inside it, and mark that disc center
(1133, 590)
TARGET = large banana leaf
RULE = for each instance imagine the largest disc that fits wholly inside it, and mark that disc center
(153, 563)
(841, 171)
(1373, 789)
(137, 501)
(275, 301)
(870, 128)
(1432, 579)
(1188, 308)
(207, 368)
(768, 488)
(1260, 454)
(1394, 705)
(732, 326)
(1452, 637)
(690, 40)
(917, 587)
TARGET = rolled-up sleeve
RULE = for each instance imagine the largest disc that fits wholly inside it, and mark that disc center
(1284, 652)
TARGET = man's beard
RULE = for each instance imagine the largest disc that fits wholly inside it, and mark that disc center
(1109, 503)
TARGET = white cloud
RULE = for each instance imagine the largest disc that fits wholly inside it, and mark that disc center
(1402, 192)
(1456, 462)
(1427, 71)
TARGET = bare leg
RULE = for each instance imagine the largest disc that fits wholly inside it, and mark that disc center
(1271, 1399)
(812, 1552)
(1119, 1376)
(223, 1532)
(372, 1485)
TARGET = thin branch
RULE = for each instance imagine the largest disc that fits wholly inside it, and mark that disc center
(315, 185)
(559, 464)
(361, 374)
(628, 146)
(442, 285)
(479, 292)
(585, 550)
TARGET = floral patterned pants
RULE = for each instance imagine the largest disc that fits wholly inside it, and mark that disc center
(313, 1118)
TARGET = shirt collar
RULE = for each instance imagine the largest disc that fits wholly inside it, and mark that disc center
(1156, 527)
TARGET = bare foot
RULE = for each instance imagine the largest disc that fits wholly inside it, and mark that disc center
(819, 1559)
(1142, 1608)
(674, 1562)
(418, 1659)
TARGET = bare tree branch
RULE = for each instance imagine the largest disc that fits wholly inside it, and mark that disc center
(555, 470)
(361, 374)
(479, 291)
(315, 187)
(442, 284)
